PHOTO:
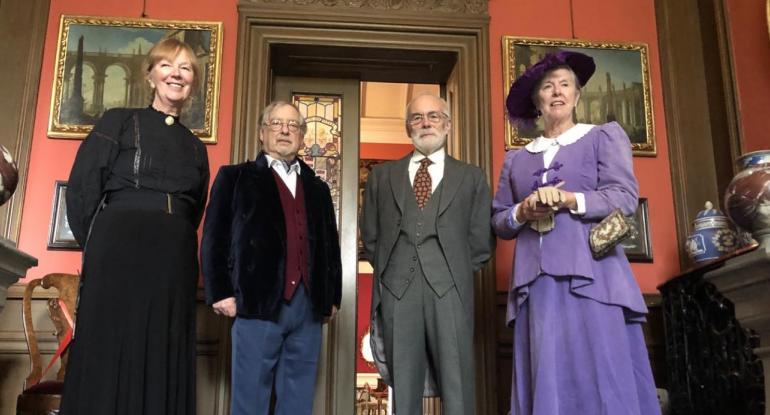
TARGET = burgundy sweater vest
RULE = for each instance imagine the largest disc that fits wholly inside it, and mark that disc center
(296, 235)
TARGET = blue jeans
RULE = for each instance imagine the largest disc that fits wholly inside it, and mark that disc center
(285, 351)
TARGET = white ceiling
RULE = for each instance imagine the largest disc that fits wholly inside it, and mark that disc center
(382, 110)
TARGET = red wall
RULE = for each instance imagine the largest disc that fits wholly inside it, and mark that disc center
(594, 20)
(631, 20)
(610, 20)
(51, 159)
(384, 151)
(751, 62)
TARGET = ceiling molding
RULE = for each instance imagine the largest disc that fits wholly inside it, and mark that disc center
(470, 7)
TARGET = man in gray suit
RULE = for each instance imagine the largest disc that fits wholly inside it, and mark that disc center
(425, 227)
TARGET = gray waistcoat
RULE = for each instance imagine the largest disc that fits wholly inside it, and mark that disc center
(417, 252)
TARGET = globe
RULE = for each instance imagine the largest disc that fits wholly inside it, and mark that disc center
(9, 175)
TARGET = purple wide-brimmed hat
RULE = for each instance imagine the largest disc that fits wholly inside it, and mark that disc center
(521, 109)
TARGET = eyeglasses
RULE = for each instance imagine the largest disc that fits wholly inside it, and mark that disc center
(433, 117)
(277, 125)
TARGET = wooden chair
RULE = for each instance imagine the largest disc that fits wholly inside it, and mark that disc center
(364, 402)
(371, 401)
(43, 397)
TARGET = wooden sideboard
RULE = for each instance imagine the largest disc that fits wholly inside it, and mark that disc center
(710, 359)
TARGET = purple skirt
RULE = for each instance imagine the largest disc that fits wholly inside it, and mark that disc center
(575, 355)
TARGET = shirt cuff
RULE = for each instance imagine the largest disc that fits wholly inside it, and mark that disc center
(512, 222)
(580, 199)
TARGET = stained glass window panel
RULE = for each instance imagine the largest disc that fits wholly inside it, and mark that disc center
(322, 144)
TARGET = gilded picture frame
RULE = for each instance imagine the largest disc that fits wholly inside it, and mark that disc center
(639, 248)
(767, 15)
(100, 65)
(621, 66)
(59, 233)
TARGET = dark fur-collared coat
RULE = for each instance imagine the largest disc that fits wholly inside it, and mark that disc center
(243, 252)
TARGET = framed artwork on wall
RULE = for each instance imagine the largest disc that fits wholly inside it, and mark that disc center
(618, 91)
(100, 65)
(639, 248)
(59, 233)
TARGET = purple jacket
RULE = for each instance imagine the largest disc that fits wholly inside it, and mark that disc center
(600, 166)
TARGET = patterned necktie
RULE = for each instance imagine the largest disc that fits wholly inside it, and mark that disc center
(422, 183)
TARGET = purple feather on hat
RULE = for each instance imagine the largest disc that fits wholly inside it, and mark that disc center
(521, 110)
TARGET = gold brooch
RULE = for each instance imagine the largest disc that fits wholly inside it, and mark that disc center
(169, 120)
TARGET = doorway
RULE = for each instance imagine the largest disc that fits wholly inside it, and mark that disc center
(273, 45)
(353, 126)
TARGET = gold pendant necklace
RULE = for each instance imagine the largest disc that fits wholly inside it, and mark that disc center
(169, 120)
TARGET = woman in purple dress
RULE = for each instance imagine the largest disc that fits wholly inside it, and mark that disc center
(578, 343)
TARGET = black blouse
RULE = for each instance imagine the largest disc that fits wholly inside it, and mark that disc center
(133, 148)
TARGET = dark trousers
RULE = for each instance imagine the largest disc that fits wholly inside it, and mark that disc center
(285, 351)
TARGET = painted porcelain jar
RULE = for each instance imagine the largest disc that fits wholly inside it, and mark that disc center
(747, 199)
(712, 235)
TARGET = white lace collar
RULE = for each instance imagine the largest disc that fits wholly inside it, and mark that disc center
(568, 137)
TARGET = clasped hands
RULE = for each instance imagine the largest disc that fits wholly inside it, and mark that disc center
(544, 201)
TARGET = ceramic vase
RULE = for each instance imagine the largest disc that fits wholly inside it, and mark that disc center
(712, 235)
(747, 199)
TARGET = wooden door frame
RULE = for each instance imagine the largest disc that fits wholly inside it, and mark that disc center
(700, 104)
(334, 344)
(30, 23)
(262, 25)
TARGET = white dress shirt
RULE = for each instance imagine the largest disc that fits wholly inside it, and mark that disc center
(435, 169)
(289, 177)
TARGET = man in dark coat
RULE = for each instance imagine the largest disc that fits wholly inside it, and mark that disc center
(271, 259)
(425, 228)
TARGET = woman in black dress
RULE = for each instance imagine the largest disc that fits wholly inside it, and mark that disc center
(135, 198)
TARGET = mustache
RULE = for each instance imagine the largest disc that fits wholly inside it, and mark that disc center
(425, 131)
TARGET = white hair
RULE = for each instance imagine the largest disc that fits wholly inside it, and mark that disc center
(444, 104)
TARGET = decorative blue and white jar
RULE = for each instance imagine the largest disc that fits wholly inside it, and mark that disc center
(713, 235)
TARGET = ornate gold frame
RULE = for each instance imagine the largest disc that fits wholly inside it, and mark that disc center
(210, 104)
(512, 137)
(767, 15)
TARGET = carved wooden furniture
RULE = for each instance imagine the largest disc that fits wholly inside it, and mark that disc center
(712, 368)
(367, 403)
(745, 281)
(41, 397)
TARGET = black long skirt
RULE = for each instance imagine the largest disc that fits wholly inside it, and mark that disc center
(134, 346)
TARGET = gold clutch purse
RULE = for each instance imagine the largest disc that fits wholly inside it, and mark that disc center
(610, 232)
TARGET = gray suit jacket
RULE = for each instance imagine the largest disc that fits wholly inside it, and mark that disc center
(463, 228)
